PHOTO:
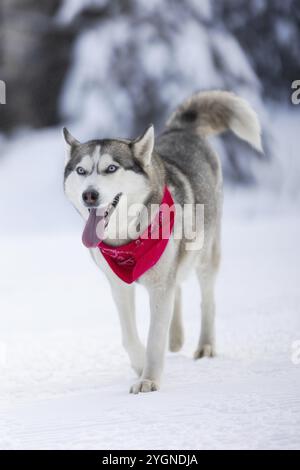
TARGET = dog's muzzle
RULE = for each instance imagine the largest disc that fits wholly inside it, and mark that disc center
(97, 222)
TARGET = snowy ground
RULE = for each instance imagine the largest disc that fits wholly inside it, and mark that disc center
(64, 378)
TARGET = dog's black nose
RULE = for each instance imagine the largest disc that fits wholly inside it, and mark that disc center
(90, 197)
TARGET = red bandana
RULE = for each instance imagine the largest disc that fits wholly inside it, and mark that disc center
(133, 259)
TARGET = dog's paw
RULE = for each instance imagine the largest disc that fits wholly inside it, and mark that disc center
(144, 386)
(206, 350)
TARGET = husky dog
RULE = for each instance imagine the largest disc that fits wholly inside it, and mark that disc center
(181, 159)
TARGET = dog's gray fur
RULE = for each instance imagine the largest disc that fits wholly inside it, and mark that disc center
(182, 159)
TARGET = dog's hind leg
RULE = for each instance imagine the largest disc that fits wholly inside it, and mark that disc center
(176, 334)
(123, 295)
(206, 273)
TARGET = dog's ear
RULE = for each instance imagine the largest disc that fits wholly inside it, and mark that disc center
(70, 141)
(143, 146)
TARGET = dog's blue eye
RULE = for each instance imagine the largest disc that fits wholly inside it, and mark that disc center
(80, 170)
(111, 169)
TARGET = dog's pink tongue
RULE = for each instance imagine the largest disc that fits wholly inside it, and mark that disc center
(93, 232)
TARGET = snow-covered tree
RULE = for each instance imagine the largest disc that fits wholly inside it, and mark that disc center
(134, 61)
(110, 68)
(269, 32)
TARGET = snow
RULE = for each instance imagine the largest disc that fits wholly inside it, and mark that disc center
(64, 377)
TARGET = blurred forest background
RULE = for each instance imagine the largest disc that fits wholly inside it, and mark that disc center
(108, 68)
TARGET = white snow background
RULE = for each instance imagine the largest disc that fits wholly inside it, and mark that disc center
(64, 377)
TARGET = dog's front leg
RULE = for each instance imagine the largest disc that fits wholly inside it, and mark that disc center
(123, 295)
(161, 306)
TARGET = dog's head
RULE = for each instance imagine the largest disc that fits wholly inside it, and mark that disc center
(99, 170)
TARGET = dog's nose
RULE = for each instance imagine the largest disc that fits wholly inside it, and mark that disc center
(90, 197)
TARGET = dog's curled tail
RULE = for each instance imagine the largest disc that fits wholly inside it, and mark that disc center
(213, 112)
